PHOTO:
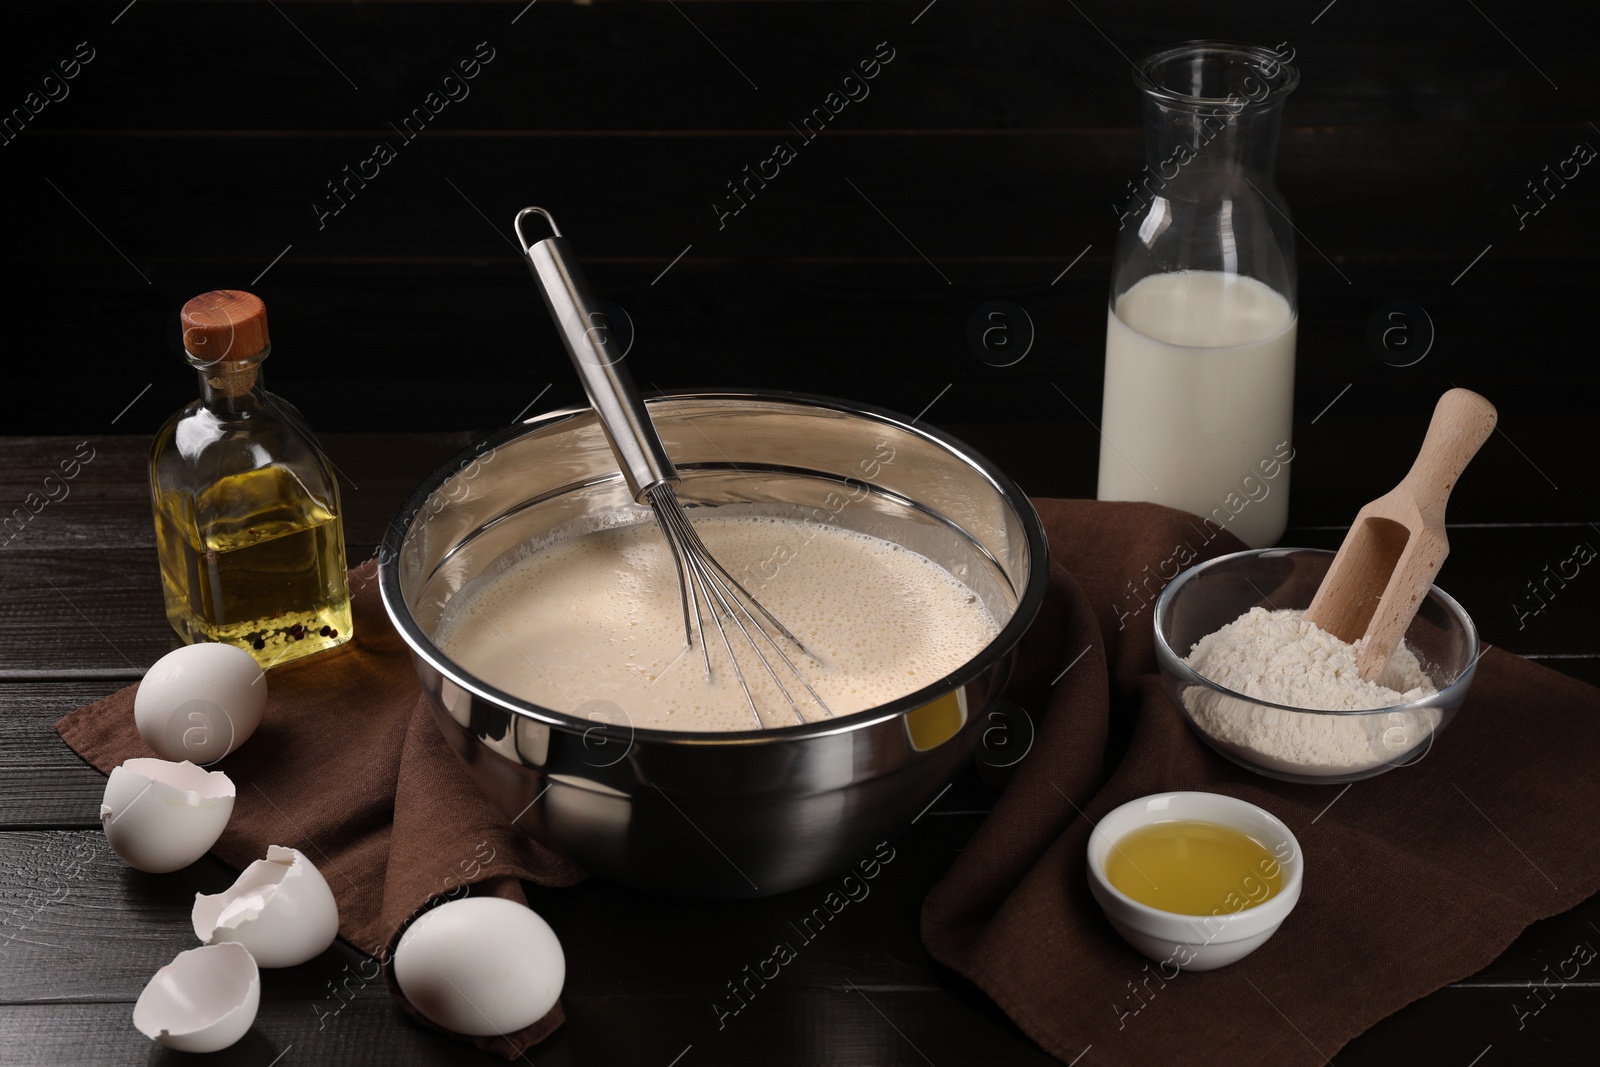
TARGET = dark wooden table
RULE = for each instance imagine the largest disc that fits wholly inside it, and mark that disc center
(80, 933)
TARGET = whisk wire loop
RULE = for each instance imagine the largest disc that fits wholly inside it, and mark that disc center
(705, 586)
(727, 600)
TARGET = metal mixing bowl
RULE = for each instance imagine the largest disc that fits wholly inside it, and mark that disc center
(739, 814)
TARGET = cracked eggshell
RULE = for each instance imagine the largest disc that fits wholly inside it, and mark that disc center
(160, 816)
(279, 908)
(481, 966)
(200, 702)
(204, 1000)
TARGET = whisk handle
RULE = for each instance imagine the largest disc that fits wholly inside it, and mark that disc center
(597, 357)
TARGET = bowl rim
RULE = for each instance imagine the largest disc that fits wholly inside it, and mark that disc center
(1168, 659)
(420, 645)
(1261, 918)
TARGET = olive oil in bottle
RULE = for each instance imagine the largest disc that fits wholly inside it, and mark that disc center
(246, 506)
(1193, 868)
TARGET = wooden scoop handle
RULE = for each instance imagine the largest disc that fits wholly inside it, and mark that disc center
(1462, 422)
(1397, 543)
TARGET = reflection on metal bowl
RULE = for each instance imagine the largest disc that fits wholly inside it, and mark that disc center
(740, 814)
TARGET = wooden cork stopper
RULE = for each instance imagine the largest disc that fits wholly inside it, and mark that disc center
(221, 329)
(228, 324)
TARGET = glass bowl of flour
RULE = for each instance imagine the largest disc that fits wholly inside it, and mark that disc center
(1271, 692)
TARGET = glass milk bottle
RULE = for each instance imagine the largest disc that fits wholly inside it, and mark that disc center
(1200, 332)
(247, 514)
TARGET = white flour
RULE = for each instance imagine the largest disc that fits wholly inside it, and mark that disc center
(1279, 657)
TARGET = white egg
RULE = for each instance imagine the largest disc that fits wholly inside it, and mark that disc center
(204, 1000)
(200, 702)
(279, 908)
(160, 816)
(481, 966)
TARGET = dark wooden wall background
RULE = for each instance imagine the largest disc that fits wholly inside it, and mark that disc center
(188, 153)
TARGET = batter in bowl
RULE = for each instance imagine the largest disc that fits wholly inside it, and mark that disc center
(596, 621)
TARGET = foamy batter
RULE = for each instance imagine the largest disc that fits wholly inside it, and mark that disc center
(596, 621)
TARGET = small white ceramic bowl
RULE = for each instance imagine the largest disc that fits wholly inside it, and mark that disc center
(1197, 942)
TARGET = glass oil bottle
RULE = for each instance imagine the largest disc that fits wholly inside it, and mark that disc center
(247, 514)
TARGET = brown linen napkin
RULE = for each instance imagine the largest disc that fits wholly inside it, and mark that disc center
(348, 767)
(1413, 879)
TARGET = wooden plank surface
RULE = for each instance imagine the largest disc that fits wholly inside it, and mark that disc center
(841, 1030)
(80, 932)
(83, 932)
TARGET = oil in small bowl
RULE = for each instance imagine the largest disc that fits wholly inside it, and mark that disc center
(1192, 867)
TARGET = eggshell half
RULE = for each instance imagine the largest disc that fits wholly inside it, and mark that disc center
(481, 966)
(279, 908)
(160, 816)
(204, 1000)
(200, 702)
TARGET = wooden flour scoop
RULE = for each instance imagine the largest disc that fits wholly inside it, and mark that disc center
(1396, 545)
